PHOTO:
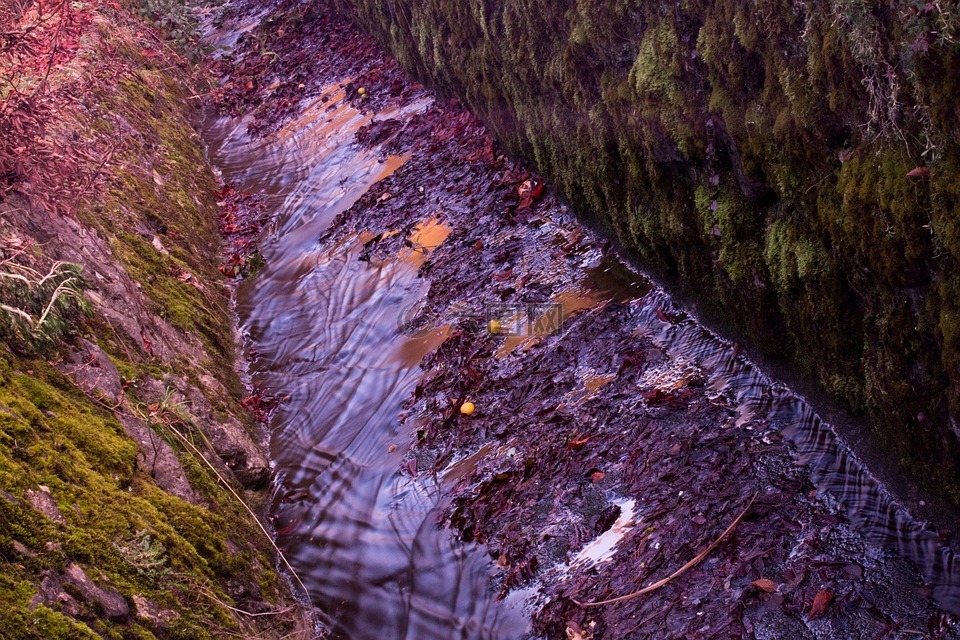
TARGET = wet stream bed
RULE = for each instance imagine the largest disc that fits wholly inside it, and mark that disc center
(409, 268)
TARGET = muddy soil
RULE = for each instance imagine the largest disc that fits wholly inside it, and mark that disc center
(597, 459)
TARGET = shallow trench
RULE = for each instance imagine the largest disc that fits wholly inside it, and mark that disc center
(331, 332)
(363, 537)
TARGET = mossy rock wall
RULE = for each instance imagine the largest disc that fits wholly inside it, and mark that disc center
(755, 155)
(125, 447)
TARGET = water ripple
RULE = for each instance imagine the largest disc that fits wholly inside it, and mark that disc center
(364, 538)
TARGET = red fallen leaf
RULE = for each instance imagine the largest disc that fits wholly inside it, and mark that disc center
(147, 343)
(572, 241)
(472, 374)
(765, 585)
(576, 443)
(503, 276)
(919, 172)
(820, 603)
(528, 191)
(597, 476)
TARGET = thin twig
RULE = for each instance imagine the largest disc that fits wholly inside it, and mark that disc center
(275, 612)
(62, 289)
(678, 572)
(15, 276)
(20, 312)
(256, 519)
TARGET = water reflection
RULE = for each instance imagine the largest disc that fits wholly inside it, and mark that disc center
(363, 537)
(609, 280)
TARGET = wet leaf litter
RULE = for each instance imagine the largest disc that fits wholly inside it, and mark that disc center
(542, 425)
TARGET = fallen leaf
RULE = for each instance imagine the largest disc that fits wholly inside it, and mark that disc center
(597, 476)
(820, 603)
(574, 632)
(528, 191)
(765, 585)
(919, 172)
(572, 241)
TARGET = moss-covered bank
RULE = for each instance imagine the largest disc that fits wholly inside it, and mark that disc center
(123, 442)
(794, 166)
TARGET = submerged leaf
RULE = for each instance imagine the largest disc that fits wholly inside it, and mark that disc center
(765, 585)
(820, 603)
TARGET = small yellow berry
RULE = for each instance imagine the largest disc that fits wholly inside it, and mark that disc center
(466, 408)
(493, 326)
(362, 91)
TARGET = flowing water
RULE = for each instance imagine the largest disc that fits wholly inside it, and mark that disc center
(834, 468)
(363, 537)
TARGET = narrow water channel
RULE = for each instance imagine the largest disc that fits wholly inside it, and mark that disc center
(363, 537)
(361, 528)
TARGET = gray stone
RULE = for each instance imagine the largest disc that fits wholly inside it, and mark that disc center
(113, 605)
(43, 502)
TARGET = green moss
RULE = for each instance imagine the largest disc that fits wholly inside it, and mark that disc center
(793, 260)
(21, 622)
(654, 71)
(54, 437)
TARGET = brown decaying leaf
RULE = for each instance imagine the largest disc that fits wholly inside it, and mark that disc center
(919, 172)
(765, 585)
(820, 603)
